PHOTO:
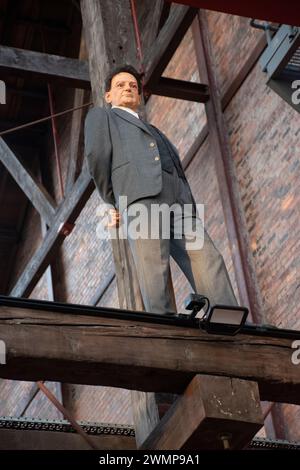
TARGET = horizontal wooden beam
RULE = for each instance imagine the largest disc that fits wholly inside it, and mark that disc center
(23, 63)
(49, 345)
(66, 214)
(181, 90)
(214, 413)
(166, 43)
(30, 185)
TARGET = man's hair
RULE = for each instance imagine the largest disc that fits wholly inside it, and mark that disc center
(120, 69)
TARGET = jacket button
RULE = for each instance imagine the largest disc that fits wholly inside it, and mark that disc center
(152, 144)
(156, 158)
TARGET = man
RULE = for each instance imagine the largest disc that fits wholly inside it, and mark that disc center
(129, 157)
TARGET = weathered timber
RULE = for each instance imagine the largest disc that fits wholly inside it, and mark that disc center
(214, 413)
(145, 414)
(137, 355)
(77, 130)
(23, 63)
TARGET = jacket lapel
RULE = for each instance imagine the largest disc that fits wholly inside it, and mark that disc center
(132, 119)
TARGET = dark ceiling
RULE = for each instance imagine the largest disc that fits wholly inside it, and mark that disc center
(54, 27)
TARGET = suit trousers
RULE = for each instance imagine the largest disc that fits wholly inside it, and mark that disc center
(181, 235)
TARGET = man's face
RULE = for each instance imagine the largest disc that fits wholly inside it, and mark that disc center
(124, 91)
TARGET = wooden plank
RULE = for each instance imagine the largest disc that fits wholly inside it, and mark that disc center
(24, 63)
(181, 90)
(66, 213)
(33, 189)
(166, 43)
(214, 413)
(139, 355)
(149, 19)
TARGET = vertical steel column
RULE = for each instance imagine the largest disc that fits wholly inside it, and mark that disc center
(228, 185)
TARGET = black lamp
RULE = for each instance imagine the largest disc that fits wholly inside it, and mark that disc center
(219, 319)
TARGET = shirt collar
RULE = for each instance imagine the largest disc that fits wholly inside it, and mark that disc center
(128, 110)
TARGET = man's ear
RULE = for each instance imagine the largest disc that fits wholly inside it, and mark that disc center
(107, 97)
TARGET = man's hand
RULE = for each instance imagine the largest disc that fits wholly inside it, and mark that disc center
(114, 218)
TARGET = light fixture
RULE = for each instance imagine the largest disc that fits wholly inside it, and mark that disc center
(225, 319)
(218, 319)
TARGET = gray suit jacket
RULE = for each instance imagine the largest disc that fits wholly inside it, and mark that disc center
(122, 156)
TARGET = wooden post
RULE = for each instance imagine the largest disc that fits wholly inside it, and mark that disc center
(214, 413)
(81, 97)
(107, 48)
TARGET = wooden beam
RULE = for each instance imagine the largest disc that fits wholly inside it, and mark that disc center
(77, 130)
(181, 90)
(137, 355)
(35, 191)
(214, 413)
(23, 63)
(149, 20)
(166, 43)
(66, 214)
(145, 414)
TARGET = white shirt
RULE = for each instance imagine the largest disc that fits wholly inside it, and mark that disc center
(128, 110)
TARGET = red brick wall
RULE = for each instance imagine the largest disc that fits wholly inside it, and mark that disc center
(264, 137)
(232, 41)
